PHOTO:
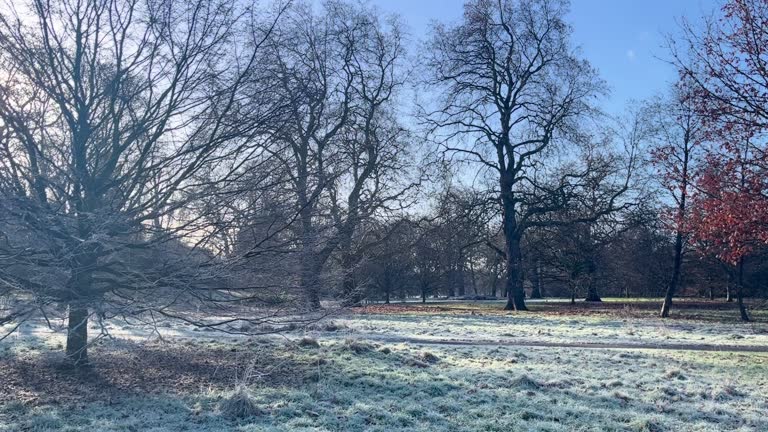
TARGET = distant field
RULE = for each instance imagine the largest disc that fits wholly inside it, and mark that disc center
(448, 366)
(686, 308)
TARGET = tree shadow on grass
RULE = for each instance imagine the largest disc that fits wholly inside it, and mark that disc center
(125, 368)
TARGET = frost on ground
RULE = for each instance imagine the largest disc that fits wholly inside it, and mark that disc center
(341, 380)
(485, 323)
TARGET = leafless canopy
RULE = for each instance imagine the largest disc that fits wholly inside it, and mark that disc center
(118, 116)
(512, 95)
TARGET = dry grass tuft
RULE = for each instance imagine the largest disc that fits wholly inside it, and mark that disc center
(428, 357)
(330, 326)
(528, 415)
(308, 342)
(645, 425)
(674, 374)
(357, 346)
(621, 396)
(726, 392)
(240, 405)
(415, 363)
(525, 381)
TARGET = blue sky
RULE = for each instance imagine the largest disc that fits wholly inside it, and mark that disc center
(623, 39)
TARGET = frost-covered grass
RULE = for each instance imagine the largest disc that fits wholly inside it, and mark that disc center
(537, 328)
(346, 381)
(627, 325)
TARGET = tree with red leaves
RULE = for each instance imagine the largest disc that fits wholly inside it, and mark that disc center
(728, 63)
(676, 133)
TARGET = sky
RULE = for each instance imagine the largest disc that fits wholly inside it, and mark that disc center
(623, 39)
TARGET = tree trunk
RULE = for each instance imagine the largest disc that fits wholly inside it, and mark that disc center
(572, 286)
(80, 285)
(514, 286)
(472, 277)
(310, 268)
(536, 281)
(740, 292)
(591, 268)
(728, 293)
(77, 335)
(495, 278)
(460, 280)
(309, 282)
(742, 307)
(592, 294)
(512, 237)
(350, 294)
(672, 287)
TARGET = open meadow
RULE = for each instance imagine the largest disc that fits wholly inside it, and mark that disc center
(448, 366)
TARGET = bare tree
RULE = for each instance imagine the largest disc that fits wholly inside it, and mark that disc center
(344, 150)
(376, 148)
(117, 117)
(512, 91)
(592, 217)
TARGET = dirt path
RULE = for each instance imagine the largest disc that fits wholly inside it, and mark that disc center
(523, 343)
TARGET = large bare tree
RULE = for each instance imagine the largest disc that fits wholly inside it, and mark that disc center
(511, 91)
(117, 116)
(343, 151)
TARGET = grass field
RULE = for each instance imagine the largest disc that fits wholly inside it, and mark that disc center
(435, 367)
